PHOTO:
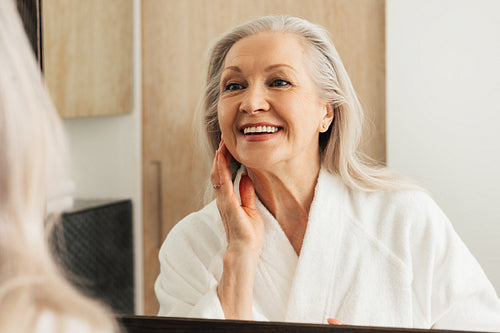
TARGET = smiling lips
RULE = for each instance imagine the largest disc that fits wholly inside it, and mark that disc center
(260, 130)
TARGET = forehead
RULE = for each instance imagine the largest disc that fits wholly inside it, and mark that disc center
(266, 48)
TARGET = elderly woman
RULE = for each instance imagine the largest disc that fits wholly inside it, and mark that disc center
(302, 228)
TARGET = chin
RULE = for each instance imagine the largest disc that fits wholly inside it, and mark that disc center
(261, 163)
(263, 159)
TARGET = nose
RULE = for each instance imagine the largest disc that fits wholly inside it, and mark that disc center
(254, 100)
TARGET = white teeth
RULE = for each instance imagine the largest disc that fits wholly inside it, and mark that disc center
(260, 129)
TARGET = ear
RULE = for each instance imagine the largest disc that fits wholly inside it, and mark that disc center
(327, 119)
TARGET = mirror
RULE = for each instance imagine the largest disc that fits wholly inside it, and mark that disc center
(390, 49)
(172, 62)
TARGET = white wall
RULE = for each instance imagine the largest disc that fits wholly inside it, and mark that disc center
(443, 111)
(106, 158)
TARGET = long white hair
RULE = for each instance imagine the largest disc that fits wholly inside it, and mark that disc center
(339, 146)
(34, 185)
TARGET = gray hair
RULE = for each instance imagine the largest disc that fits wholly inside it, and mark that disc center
(339, 146)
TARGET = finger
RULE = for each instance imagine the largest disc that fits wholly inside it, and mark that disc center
(225, 177)
(214, 173)
(332, 321)
(227, 200)
(225, 152)
(216, 183)
(220, 202)
(247, 192)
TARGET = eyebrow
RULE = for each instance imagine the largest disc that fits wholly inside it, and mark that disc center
(233, 68)
(267, 69)
(271, 67)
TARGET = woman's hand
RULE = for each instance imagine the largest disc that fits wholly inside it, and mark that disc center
(332, 321)
(245, 236)
(243, 223)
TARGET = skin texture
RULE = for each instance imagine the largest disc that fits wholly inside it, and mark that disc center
(265, 82)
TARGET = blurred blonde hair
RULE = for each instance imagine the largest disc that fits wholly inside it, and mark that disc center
(339, 146)
(34, 185)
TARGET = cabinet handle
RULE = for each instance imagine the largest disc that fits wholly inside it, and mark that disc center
(158, 174)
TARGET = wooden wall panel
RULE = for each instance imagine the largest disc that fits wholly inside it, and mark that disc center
(88, 56)
(175, 37)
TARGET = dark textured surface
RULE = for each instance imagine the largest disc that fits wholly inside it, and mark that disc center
(142, 324)
(95, 245)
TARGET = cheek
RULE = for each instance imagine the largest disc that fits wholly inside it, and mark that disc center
(222, 115)
(300, 114)
(304, 121)
(226, 121)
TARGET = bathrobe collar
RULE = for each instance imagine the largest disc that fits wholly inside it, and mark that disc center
(312, 271)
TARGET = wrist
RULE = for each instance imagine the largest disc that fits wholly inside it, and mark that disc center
(241, 255)
(235, 290)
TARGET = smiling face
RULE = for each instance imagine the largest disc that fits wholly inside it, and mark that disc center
(269, 110)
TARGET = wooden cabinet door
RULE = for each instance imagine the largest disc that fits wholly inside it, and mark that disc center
(88, 58)
(175, 38)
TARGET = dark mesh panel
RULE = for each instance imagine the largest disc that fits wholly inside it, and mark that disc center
(97, 249)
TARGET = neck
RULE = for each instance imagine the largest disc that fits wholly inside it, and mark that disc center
(287, 193)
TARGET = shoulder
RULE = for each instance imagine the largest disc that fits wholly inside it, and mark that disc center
(200, 233)
(203, 224)
(401, 206)
(360, 204)
(396, 219)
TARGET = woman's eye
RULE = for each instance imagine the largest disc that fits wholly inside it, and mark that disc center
(233, 87)
(280, 83)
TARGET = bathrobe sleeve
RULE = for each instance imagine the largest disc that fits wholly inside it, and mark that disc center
(450, 287)
(189, 257)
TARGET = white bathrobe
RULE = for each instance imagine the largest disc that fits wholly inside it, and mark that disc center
(389, 258)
